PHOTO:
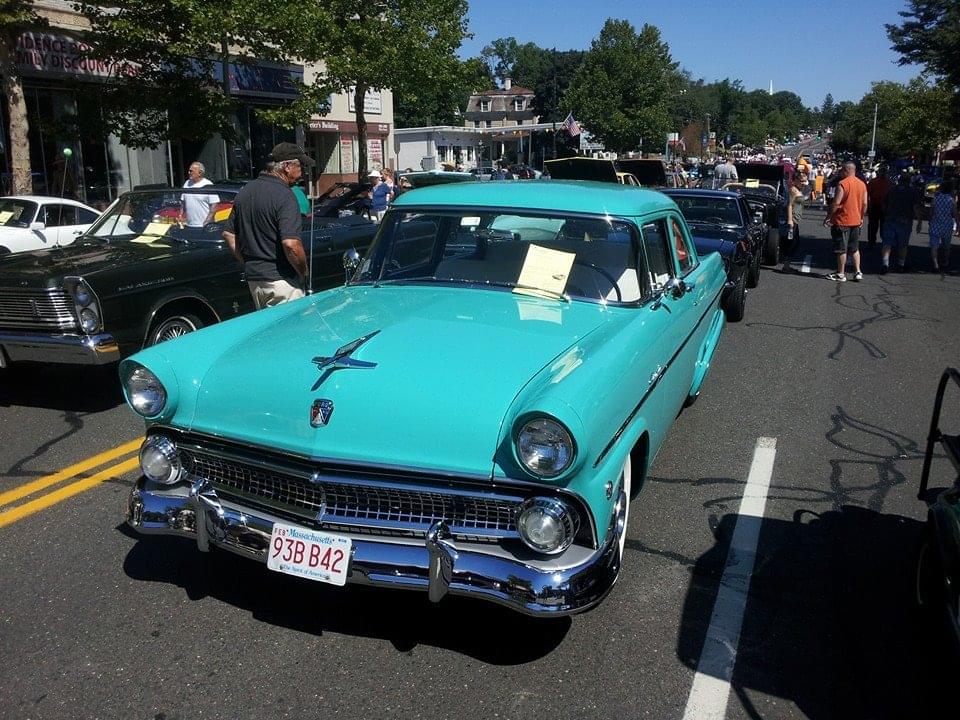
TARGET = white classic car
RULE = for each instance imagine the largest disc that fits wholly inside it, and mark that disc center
(31, 222)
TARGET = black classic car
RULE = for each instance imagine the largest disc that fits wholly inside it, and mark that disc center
(723, 222)
(141, 275)
(766, 191)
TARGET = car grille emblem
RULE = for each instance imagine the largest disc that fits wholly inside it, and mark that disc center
(320, 412)
(36, 309)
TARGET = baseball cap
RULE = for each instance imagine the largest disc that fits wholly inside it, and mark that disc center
(290, 151)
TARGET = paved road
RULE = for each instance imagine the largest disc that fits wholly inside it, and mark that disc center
(96, 623)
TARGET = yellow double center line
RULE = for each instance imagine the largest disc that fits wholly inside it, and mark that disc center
(62, 493)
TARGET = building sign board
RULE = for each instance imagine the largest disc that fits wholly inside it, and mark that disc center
(372, 102)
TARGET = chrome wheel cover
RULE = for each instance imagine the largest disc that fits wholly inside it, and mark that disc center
(172, 328)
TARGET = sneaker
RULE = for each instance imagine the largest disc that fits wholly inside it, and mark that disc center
(857, 277)
(837, 277)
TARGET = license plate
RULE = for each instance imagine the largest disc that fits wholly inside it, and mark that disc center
(309, 554)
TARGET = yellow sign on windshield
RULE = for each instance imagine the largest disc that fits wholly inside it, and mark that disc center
(752, 183)
(545, 269)
(151, 231)
(5, 215)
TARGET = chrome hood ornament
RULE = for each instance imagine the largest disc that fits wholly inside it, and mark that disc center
(341, 359)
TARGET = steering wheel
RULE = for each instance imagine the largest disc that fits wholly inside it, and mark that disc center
(607, 276)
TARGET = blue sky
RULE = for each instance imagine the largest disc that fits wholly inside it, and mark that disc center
(810, 47)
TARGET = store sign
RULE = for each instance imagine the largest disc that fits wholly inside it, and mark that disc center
(273, 81)
(371, 101)
(346, 156)
(375, 152)
(47, 53)
(321, 125)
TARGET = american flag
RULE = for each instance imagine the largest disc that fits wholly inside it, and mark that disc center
(571, 126)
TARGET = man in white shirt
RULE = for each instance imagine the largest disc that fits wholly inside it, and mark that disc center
(196, 207)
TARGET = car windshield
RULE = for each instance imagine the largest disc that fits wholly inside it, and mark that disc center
(18, 213)
(159, 216)
(713, 211)
(560, 256)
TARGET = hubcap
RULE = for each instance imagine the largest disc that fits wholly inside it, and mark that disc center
(173, 328)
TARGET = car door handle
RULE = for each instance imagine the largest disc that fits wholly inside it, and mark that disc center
(77, 232)
(657, 374)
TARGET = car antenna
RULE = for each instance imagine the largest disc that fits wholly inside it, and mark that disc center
(310, 267)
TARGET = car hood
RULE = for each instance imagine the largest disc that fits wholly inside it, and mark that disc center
(448, 364)
(579, 168)
(43, 268)
(767, 174)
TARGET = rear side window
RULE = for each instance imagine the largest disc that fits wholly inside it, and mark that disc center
(85, 216)
(659, 264)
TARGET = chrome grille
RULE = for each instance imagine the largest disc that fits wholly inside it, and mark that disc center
(358, 502)
(50, 309)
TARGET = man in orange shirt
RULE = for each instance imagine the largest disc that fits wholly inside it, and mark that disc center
(846, 218)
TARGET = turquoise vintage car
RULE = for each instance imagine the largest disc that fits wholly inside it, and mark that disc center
(470, 414)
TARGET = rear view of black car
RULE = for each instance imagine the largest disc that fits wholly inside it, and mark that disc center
(723, 222)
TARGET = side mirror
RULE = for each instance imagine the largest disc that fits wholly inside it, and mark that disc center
(675, 287)
(37, 226)
(351, 261)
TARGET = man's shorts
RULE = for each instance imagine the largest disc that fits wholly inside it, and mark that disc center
(938, 239)
(896, 233)
(845, 239)
(267, 293)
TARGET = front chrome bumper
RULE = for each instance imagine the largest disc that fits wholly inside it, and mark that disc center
(436, 564)
(58, 348)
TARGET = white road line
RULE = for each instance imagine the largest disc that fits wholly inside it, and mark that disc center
(711, 684)
(806, 263)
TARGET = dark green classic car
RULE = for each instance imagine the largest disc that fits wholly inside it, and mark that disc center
(141, 275)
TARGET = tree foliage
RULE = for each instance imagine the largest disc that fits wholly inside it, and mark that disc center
(167, 58)
(621, 90)
(404, 45)
(423, 105)
(912, 119)
(930, 36)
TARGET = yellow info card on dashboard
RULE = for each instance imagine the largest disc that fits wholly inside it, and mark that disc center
(545, 269)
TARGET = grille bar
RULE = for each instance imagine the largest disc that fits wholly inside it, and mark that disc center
(367, 505)
(49, 309)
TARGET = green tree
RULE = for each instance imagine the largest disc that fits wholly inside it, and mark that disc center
(930, 36)
(169, 60)
(621, 91)
(16, 16)
(827, 109)
(420, 106)
(405, 45)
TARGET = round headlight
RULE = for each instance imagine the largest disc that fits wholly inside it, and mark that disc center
(545, 447)
(159, 460)
(89, 320)
(145, 392)
(547, 525)
(83, 295)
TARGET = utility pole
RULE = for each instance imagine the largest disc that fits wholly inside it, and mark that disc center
(707, 149)
(554, 113)
(873, 137)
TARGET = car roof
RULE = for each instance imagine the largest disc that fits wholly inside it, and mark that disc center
(578, 196)
(704, 192)
(47, 199)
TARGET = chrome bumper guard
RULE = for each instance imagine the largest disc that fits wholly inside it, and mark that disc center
(436, 565)
(58, 348)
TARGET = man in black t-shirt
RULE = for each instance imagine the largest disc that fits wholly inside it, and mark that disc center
(263, 230)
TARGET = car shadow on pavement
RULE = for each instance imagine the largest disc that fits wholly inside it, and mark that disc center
(406, 619)
(61, 387)
(831, 624)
